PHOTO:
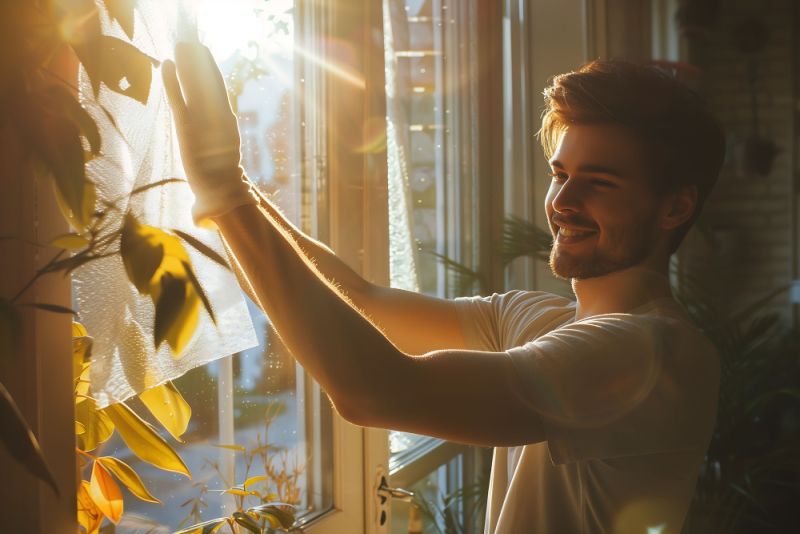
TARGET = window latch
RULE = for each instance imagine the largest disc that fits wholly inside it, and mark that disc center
(385, 492)
(395, 493)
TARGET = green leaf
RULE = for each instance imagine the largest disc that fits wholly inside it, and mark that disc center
(128, 477)
(122, 12)
(109, 60)
(144, 441)
(10, 328)
(70, 242)
(141, 252)
(20, 441)
(69, 107)
(169, 407)
(54, 308)
(207, 527)
(281, 512)
(247, 522)
(200, 292)
(202, 248)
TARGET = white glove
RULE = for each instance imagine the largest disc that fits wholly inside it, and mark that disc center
(207, 132)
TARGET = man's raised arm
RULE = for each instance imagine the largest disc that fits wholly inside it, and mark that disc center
(459, 395)
(210, 149)
(415, 323)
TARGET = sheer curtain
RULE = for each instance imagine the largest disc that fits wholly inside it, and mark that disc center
(402, 250)
(140, 148)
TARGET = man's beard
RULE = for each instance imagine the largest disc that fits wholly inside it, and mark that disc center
(631, 248)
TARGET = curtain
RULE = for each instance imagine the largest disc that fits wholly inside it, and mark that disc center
(140, 148)
(402, 249)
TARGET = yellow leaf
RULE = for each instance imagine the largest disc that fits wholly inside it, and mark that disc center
(237, 448)
(79, 428)
(78, 330)
(243, 493)
(111, 60)
(177, 313)
(158, 265)
(169, 407)
(142, 253)
(89, 515)
(144, 441)
(253, 480)
(97, 425)
(77, 212)
(70, 242)
(82, 383)
(105, 493)
(128, 477)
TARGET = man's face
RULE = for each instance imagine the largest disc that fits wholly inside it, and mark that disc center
(600, 207)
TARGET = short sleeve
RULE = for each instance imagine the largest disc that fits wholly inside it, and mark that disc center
(507, 320)
(619, 385)
(480, 319)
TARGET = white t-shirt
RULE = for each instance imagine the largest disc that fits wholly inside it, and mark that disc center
(627, 402)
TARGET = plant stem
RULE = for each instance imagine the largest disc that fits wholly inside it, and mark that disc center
(36, 276)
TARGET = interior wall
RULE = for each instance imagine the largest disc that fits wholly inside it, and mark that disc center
(751, 216)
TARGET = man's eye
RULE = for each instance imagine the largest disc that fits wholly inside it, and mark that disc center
(558, 175)
(602, 183)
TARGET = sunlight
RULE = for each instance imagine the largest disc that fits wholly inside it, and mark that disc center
(246, 26)
(333, 68)
(259, 30)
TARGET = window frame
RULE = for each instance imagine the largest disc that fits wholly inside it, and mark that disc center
(40, 378)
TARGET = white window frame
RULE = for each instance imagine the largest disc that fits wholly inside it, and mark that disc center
(40, 377)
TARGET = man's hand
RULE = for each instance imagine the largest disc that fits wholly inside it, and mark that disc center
(207, 131)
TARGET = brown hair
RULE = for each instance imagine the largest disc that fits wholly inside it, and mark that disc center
(684, 141)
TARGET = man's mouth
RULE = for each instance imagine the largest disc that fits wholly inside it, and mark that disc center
(567, 235)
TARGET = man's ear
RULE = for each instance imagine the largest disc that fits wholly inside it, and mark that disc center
(678, 207)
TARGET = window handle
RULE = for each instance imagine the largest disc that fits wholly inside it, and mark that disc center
(395, 493)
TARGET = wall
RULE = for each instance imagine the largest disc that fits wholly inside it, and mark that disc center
(750, 216)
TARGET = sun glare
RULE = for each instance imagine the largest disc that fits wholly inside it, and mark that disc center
(246, 26)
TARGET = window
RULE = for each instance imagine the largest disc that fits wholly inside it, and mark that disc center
(443, 63)
(280, 63)
(432, 83)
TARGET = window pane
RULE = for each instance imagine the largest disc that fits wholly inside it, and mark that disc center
(431, 118)
(258, 400)
(431, 180)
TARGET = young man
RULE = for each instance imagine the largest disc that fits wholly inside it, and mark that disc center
(600, 410)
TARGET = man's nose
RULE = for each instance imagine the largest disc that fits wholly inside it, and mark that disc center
(568, 197)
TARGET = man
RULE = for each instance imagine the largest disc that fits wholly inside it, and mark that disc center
(600, 410)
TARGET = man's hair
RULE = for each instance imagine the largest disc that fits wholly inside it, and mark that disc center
(684, 143)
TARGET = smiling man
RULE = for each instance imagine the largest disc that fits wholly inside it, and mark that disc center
(600, 409)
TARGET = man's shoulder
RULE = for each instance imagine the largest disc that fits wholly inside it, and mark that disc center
(521, 301)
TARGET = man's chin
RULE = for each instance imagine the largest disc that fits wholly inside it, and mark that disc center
(567, 268)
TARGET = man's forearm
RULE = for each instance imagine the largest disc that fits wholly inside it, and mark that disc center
(331, 339)
(325, 260)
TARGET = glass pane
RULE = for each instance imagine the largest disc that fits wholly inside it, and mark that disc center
(259, 400)
(430, 179)
(442, 503)
(430, 120)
